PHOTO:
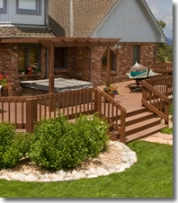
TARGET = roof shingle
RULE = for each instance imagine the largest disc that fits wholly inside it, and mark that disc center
(18, 31)
(88, 14)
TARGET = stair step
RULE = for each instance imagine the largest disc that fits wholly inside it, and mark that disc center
(137, 111)
(146, 124)
(138, 117)
(145, 133)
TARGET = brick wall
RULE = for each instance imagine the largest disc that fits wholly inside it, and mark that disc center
(83, 63)
(9, 66)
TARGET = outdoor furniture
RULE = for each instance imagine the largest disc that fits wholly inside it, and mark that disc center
(141, 75)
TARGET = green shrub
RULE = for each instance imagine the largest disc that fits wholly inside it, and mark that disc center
(12, 146)
(63, 145)
(22, 141)
(93, 131)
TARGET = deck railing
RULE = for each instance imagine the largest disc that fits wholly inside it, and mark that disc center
(24, 111)
(157, 94)
(164, 68)
(112, 111)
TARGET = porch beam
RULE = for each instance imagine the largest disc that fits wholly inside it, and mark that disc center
(51, 69)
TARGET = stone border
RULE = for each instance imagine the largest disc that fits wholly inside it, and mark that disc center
(124, 160)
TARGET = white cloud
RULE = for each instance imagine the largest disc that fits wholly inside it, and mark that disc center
(163, 10)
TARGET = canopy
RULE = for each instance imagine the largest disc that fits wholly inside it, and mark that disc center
(138, 67)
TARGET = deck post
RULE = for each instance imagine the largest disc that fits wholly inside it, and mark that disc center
(51, 77)
(97, 104)
(31, 114)
(122, 133)
(108, 80)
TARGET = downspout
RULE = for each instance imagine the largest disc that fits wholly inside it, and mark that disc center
(71, 19)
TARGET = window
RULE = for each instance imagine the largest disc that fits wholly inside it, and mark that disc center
(29, 57)
(31, 7)
(112, 61)
(136, 54)
(3, 6)
(60, 55)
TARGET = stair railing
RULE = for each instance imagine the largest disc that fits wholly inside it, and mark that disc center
(156, 94)
(109, 109)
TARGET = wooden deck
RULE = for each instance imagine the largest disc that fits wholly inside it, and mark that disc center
(131, 122)
(129, 99)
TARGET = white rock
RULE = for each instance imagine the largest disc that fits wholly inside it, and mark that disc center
(26, 172)
(79, 175)
(5, 177)
(60, 172)
(68, 178)
(31, 178)
(18, 176)
(92, 176)
(93, 170)
(45, 180)
(58, 179)
(102, 172)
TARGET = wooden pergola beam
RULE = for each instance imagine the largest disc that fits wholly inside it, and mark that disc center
(64, 41)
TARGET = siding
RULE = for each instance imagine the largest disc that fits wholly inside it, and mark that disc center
(13, 18)
(130, 21)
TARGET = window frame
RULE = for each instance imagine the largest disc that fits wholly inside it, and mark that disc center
(136, 53)
(4, 8)
(28, 11)
(104, 61)
(27, 59)
(65, 60)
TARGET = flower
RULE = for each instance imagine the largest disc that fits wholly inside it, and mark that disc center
(4, 81)
(111, 89)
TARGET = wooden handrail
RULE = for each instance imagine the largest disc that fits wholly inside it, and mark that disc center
(157, 101)
(112, 111)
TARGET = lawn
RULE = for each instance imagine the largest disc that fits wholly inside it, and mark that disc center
(150, 177)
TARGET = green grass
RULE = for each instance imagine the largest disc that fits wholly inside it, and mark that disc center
(167, 130)
(150, 177)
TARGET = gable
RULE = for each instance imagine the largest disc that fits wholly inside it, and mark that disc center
(132, 21)
(87, 15)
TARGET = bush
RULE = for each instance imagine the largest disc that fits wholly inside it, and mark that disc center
(11, 147)
(22, 142)
(63, 145)
(171, 110)
(93, 131)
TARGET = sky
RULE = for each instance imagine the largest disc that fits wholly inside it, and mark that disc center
(163, 10)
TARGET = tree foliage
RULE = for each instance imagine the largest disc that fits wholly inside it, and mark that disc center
(165, 51)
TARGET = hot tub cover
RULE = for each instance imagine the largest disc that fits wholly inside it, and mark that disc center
(60, 84)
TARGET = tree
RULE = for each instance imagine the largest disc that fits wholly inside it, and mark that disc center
(164, 52)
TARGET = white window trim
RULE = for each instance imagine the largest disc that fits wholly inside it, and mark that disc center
(4, 9)
(28, 11)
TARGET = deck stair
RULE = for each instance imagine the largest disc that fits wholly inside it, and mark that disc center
(139, 123)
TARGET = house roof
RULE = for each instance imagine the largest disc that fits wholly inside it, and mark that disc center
(21, 31)
(87, 15)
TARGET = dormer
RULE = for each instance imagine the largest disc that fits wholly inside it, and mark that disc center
(24, 12)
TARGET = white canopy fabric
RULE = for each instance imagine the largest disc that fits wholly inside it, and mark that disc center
(138, 67)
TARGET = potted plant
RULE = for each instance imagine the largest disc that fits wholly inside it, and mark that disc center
(4, 84)
(22, 71)
(110, 89)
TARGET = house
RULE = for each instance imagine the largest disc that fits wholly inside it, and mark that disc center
(75, 38)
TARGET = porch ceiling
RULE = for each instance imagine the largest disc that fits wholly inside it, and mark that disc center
(65, 42)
